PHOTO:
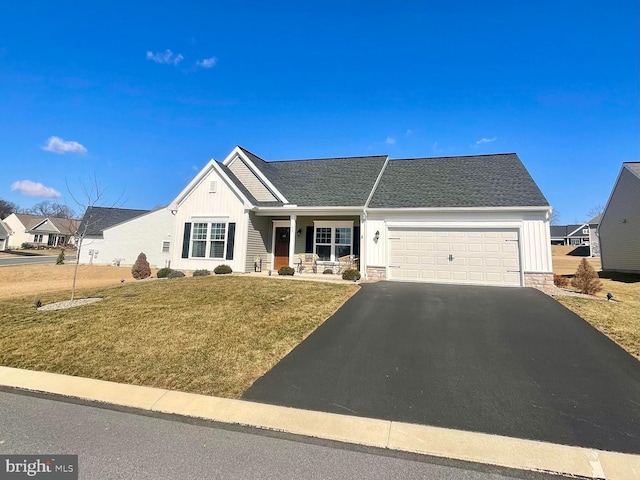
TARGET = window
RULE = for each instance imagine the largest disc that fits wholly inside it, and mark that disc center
(37, 238)
(208, 240)
(333, 240)
(166, 246)
(585, 231)
(218, 231)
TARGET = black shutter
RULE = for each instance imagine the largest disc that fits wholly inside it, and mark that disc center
(356, 240)
(230, 240)
(185, 240)
(308, 241)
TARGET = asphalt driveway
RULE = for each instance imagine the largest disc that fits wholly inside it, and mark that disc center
(507, 361)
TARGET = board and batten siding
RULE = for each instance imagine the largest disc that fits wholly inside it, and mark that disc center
(620, 226)
(124, 242)
(201, 205)
(533, 228)
(258, 241)
(250, 181)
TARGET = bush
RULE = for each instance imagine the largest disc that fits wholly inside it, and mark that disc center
(60, 259)
(201, 273)
(328, 271)
(26, 246)
(351, 274)
(164, 272)
(222, 270)
(586, 279)
(141, 268)
(286, 270)
(175, 274)
(560, 281)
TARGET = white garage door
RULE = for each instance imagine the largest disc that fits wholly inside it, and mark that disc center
(474, 256)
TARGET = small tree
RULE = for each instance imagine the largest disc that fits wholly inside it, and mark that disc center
(141, 268)
(60, 259)
(586, 279)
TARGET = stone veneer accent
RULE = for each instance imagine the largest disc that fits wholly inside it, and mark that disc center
(376, 273)
(540, 281)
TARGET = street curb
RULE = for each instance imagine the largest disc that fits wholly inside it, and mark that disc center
(403, 437)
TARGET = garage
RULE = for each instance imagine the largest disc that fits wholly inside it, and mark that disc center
(479, 256)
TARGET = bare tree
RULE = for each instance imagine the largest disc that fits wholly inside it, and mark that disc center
(555, 217)
(48, 208)
(595, 211)
(7, 208)
(92, 195)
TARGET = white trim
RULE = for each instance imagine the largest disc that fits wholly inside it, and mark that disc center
(292, 238)
(581, 226)
(459, 209)
(332, 224)
(208, 240)
(457, 225)
(375, 185)
(272, 211)
(238, 153)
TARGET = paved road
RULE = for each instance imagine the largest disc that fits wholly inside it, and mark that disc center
(18, 260)
(116, 445)
(507, 361)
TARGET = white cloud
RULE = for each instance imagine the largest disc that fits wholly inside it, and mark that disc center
(207, 62)
(168, 57)
(58, 145)
(390, 141)
(486, 140)
(409, 132)
(35, 189)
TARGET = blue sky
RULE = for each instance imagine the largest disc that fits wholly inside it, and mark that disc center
(150, 91)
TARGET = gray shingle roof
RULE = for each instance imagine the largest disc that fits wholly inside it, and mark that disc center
(499, 180)
(326, 182)
(634, 167)
(99, 218)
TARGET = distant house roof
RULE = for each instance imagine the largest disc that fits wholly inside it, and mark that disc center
(573, 230)
(596, 220)
(66, 226)
(97, 219)
(465, 181)
(330, 182)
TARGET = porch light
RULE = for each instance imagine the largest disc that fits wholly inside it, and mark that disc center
(299, 232)
(376, 237)
(173, 212)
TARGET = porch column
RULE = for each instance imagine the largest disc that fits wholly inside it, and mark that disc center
(292, 239)
(363, 243)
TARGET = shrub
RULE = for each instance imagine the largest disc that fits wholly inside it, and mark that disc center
(286, 270)
(328, 271)
(60, 259)
(26, 246)
(586, 279)
(201, 273)
(175, 274)
(141, 268)
(222, 270)
(164, 272)
(560, 281)
(351, 274)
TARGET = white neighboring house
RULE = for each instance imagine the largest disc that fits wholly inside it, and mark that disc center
(116, 236)
(4, 236)
(39, 231)
(619, 227)
(477, 219)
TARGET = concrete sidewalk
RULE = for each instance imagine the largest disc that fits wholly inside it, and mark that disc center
(460, 445)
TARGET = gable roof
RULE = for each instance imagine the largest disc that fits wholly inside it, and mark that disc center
(596, 220)
(573, 230)
(634, 167)
(66, 226)
(97, 219)
(498, 180)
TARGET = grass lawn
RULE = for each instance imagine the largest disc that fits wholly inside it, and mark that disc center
(620, 319)
(210, 335)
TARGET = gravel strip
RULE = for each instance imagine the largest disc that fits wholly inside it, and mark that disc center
(69, 304)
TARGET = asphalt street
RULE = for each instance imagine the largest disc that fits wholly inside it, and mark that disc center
(117, 445)
(17, 260)
(506, 361)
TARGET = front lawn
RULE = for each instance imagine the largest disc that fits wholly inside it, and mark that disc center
(210, 335)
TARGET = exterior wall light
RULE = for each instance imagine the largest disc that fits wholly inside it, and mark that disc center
(376, 237)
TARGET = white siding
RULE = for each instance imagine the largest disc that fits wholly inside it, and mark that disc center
(124, 242)
(533, 229)
(250, 181)
(620, 226)
(19, 235)
(201, 205)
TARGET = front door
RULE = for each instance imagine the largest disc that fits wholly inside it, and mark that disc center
(281, 255)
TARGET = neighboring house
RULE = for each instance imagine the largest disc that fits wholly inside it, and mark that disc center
(575, 234)
(594, 238)
(4, 236)
(40, 231)
(116, 236)
(619, 228)
(474, 219)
